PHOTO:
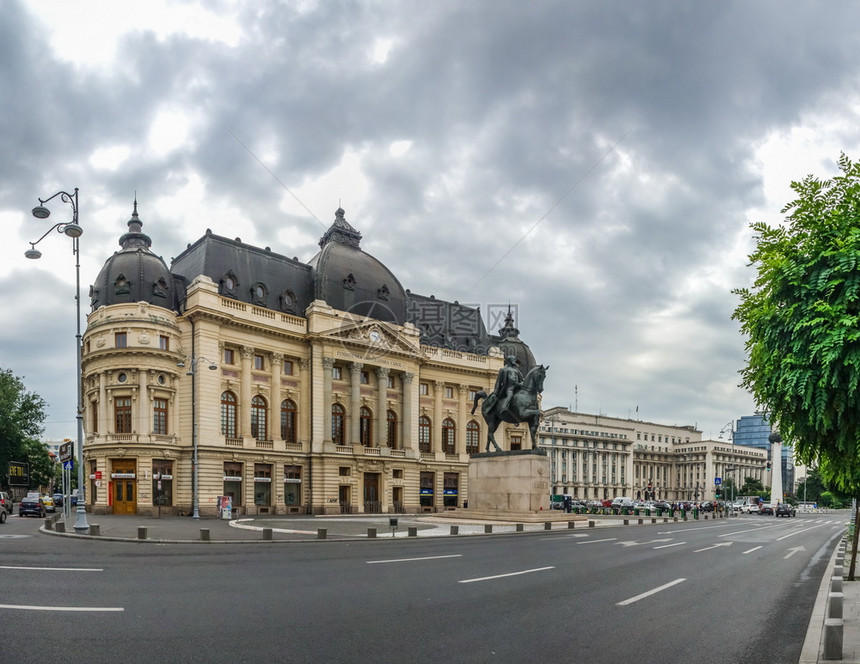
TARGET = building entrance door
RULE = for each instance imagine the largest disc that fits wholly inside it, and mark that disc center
(124, 481)
(372, 504)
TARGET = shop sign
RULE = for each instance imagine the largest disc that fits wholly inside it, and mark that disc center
(292, 480)
(426, 492)
(123, 476)
(262, 479)
(232, 478)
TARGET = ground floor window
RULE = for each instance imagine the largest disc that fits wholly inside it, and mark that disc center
(262, 484)
(292, 485)
(162, 482)
(426, 489)
(233, 482)
(450, 489)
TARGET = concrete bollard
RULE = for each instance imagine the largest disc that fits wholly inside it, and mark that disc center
(267, 534)
(455, 530)
(49, 523)
(571, 525)
(371, 533)
(321, 533)
(653, 520)
(640, 521)
(412, 531)
(591, 524)
(141, 532)
(675, 519)
(488, 528)
(204, 534)
(95, 529)
(834, 605)
(547, 525)
(838, 570)
(60, 526)
(833, 629)
(520, 528)
(836, 584)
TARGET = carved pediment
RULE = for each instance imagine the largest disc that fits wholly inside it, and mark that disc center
(372, 339)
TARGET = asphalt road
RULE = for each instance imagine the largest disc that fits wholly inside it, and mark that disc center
(736, 591)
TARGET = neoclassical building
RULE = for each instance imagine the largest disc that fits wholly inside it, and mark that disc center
(596, 457)
(318, 387)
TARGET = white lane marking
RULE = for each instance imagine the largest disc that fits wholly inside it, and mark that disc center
(797, 532)
(409, 560)
(25, 607)
(755, 548)
(54, 569)
(650, 592)
(666, 546)
(608, 539)
(562, 537)
(749, 530)
(502, 576)
(793, 550)
(635, 543)
(708, 548)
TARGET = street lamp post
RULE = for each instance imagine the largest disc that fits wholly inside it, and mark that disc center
(192, 371)
(73, 230)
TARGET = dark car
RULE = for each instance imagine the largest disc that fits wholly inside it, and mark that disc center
(32, 504)
(58, 499)
(766, 508)
(784, 509)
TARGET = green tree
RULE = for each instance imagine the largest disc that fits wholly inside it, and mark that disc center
(21, 417)
(751, 487)
(802, 318)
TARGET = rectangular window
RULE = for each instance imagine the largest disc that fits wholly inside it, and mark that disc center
(288, 367)
(365, 377)
(262, 484)
(336, 373)
(164, 342)
(120, 340)
(229, 356)
(343, 471)
(162, 482)
(292, 485)
(233, 482)
(94, 417)
(391, 382)
(259, 364)
(122, 415)
(516, 443)
(159, 417)
(423, 389)
(397, 473)
(449, 392)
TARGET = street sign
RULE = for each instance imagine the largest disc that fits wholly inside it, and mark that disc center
(718, 480)
(68, 465)
(66, 452)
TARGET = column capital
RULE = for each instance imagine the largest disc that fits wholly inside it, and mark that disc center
(382, 372)
(355, 367)
(277, 357)
(328, 362)
(407, 377)
(247, 352)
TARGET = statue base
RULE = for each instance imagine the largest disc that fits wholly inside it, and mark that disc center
(509, 482)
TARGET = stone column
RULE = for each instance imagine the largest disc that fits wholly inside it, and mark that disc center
(462, 417)
(104, 425)
(277, 369)
(144, 426)
(247, 354)
(406, 424)
(303, 420)
(328, 365)
(354, 401)
(436, 436)
(382, 406)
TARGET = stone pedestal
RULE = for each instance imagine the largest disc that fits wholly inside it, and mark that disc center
(509, 482)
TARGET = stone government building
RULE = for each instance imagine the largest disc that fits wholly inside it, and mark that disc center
(318, 387)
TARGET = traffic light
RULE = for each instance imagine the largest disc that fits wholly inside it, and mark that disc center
(719, 493)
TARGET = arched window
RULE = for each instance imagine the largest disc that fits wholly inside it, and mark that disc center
(449, 436)
(425, 440)
(392, 429)
(337, 415)
(259, 419)
(288, 420)
(228, 415)
(365, 433)
(473, 437)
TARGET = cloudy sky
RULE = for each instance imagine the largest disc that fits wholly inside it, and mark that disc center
(596, 164)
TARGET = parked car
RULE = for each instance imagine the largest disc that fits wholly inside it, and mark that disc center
(6, 502)
(784, 509)
(766, 508)
(49, 503)
(32, 504)
(58, 499)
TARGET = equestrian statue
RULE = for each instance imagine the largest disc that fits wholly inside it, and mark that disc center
(514, 399)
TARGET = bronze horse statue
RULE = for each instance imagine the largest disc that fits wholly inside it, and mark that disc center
(523, 407)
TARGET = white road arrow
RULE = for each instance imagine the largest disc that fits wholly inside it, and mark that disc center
(708, 548)
(633, 543)
(793, 550)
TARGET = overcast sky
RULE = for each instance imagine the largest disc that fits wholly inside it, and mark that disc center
(595, 164)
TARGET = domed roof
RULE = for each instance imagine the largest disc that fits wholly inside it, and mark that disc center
(351, 280)
(134, 273)
(511, 344)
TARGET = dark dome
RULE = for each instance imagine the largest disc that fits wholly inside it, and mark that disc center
(509, 343)
(351, 280)
(134, 273)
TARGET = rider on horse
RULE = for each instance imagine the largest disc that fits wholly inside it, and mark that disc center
(508, 382)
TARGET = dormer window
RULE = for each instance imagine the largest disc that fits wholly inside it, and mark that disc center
(349, 282)
(258, 293)
(383, 292)
(229, 284)
(122, 285)
(159, 288)
(288, 301)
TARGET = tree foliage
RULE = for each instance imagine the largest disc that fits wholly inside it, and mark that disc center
(21, 417)
(802, 319)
